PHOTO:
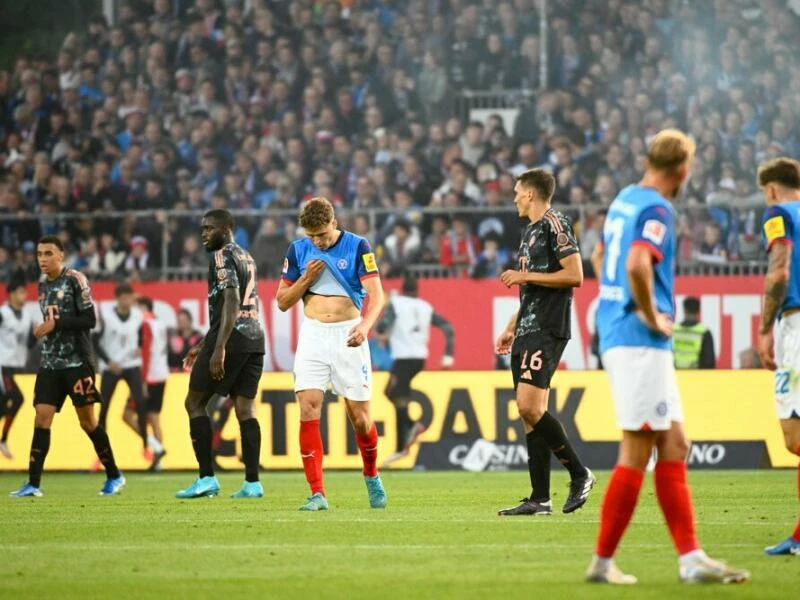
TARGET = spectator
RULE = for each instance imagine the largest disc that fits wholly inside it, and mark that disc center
(492, 260)
(401, 248)
(268, 245)
(459, 248)
(181, 340)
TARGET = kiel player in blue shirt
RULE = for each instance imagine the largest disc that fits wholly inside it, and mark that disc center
(634, 319)
(779, 344)
(332, 271)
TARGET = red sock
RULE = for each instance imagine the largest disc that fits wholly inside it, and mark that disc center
(675, 499)
(368, 444)
(311, 451)
(618, 505)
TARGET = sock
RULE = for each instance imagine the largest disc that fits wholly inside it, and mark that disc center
(102, 447)
(251, 448)
(404, 424)
(538, 466)
(553, 433)
(40, 445)
(368, 444)
(12, 408)
(619, 503)
(154, 444)
(673, 495)
(200, 430)
(796, 534)
(312, 452)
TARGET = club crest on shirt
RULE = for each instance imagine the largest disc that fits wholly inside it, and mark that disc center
(342, 263)
(562, 239)
(222, 274)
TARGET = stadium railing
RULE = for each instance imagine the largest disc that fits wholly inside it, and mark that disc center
(738, 219)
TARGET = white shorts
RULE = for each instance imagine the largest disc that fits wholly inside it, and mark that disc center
(787, 357)
(644, 387)
(324, 359)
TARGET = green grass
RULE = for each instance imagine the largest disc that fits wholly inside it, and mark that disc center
(439, 538)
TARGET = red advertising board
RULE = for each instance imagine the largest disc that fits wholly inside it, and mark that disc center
(478, 309)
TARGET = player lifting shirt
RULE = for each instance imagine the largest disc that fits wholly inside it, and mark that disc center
(65, 300)
(332, 271)
(230, 360)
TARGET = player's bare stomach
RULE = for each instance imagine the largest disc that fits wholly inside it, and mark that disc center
(329, 309)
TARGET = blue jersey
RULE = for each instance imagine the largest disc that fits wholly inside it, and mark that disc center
(782, 226)
(638, 216)
(347, 263)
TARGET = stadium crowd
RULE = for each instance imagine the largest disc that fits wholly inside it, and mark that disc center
(194, 104)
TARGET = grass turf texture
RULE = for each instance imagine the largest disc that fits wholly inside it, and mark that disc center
(439, 538)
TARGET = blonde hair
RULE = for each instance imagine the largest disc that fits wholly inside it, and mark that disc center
(317, 212)
(669, 150)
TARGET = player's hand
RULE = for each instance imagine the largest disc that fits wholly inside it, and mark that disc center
(766, 350)
(314, 269)
(503, 344)
(115, 367)
(217, 364)
(191, 357)
(357, 335)
(510, 278)
(447, 361)
(44, 328)
(663, 324)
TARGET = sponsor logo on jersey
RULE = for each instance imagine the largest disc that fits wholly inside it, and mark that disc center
(369, 262)
(285, 265)
(654, 230)
(774, 228)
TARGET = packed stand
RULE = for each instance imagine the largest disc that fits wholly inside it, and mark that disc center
(191, 105)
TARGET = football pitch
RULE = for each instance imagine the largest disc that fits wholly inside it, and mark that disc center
(439, 538)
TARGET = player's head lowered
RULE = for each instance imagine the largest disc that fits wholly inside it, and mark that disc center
(534, 185)
(50, 255)
(319, 222)
(125, 297)
(779, 179)
(216, 230)
(669, 157)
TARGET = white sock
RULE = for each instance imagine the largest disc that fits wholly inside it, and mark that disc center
(603, 563)
(154, 444)
(693, 556)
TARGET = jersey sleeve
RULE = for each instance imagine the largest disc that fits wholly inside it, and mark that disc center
(367, 266)
(778, 227)
(652, 230)
(83, 292)
(291, 269)
(562, 239)
(226, 275)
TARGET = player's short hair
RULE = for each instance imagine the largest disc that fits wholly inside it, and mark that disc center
(121, 289)
(52, 239)
(670, 149)
(317, 212)
(185, 313)
(410, 284)
(15, 284)
(783, 171)
(691, 305)
(146, 302)
(221, 216)
(541, 181)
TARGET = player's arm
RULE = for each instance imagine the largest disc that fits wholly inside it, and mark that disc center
(98, 347)
(374, 288)
(707, 358)
(447, 330)
(778, 233)
(597, 260)
(294, 285)
(503, 343)
(569, 276)
(639, 267)
(387, 319)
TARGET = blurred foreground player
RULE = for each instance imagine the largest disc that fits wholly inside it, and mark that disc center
(65, 299)
(634, 317)
(229, 360)
(779, 333)
(16, 338)
(408, 319)
(332, 271)
(549, 267)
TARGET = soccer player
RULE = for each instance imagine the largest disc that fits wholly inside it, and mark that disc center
(16, 338)
(117, 342)
(182, 339)
(408, 320)
(778, 345)
(549, 267)
(332, 271)
(230, 359)
(65, 299)
(155, 371)
(634, 319)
